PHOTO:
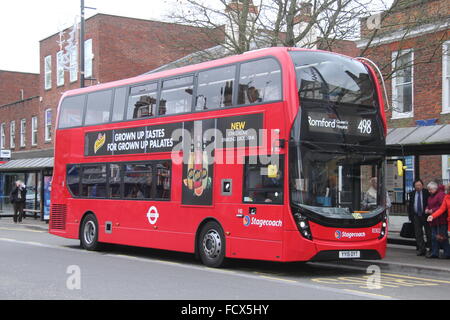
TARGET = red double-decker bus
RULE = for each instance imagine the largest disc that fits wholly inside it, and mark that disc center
(275, 154)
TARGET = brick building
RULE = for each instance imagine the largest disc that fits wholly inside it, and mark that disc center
(115, 48)
(410, 43)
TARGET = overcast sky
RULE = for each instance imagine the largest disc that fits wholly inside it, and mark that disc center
(23, 23)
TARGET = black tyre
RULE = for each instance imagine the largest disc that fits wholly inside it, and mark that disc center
(89, 233)
(211, 245)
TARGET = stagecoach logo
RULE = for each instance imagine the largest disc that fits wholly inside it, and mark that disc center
(100, 142)
(152, 215)
(342, 234)
(246, 221)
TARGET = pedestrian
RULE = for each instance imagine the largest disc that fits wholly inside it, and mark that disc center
(434, 203)
(442, 231)
(17, 198)
(418, 200)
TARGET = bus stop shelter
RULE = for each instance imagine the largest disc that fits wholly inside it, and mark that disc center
(401, 143)
(37, 174)
(418, 141)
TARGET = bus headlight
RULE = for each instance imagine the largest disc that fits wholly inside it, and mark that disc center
(303, 226)
(384, 225)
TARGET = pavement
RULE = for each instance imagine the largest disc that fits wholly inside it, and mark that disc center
(400, 255)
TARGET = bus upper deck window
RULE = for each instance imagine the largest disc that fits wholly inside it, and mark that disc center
(71, 114)
(215, 88)
(98, 107)
(176, 96)
(259, 81)
(142, 101)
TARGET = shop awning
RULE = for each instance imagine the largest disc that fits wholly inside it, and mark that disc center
(421, 140)
(27, 164)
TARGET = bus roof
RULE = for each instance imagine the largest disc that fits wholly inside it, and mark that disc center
(254, 54)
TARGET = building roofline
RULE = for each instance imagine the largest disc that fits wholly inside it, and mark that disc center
(23, 72)
(99, 14)
(19, 101)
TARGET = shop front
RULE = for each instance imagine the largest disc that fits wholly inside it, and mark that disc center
(36, 173)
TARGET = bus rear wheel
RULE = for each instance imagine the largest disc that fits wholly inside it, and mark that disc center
(211, 245)
(89, 233)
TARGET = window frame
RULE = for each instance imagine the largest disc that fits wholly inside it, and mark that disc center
(48, 72)
(48, 125)
(23, 133)
(88, 58)
(12, 134)
(60, 72)
(395, 105)
(446, 77)
(34, 130)
(3, 135)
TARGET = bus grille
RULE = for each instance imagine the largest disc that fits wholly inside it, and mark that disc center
(58, 216)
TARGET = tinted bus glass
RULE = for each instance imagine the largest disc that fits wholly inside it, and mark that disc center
(259, 81)
(71, 114)
(142, 101)
(215, 88)
(138, 181)
(93, 181)
(119, 103)
(73, 179)
(163, 180)
(332, 78)
(98, 107)
(176, 100)
(115, 179)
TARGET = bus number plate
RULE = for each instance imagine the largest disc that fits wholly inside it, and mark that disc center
(349, 254)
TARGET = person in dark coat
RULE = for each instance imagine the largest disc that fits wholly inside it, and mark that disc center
(18, 198)
(418, 200)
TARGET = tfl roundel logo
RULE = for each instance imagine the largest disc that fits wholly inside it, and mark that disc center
(338, 234)
(246, 221)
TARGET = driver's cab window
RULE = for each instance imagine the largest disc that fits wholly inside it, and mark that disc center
(263, 183)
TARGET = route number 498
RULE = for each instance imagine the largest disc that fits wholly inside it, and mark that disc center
(365, 126)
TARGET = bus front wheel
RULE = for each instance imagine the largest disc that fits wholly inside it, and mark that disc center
(89, 233)
(211, 245)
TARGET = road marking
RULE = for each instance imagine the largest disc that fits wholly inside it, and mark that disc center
(278, 279)
(369, 293)
(388, 280)
(203, 268)
(20, 229)
(415, 278)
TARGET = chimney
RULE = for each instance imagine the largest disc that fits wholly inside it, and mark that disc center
(234, 9)
(301, 21)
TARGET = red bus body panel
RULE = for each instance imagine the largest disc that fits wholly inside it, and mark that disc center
(177, 225)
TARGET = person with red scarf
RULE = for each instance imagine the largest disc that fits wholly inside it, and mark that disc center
(440, 217)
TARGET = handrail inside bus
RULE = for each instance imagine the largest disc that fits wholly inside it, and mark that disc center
(382, 79)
